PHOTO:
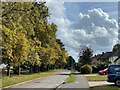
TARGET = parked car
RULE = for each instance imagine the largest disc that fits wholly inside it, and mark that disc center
(103, 72)
(114, 74)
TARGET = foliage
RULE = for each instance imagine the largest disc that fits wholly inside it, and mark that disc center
(28, 38)
(102, 65)
(70, 62)
(86, 69)
(85, 54)
(15, 46)
(116, 47)
(78, 66)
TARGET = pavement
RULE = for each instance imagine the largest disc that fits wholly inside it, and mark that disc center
(49, 82)
(81, 83)
(99, 83)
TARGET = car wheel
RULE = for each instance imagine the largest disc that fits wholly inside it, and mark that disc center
(117, 82)
(104, 73)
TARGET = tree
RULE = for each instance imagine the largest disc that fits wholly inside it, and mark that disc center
(15, 48)
(70, 62)
(62, 54)
(30, 19)
(85, 54)
(29, 39)
(116, 47)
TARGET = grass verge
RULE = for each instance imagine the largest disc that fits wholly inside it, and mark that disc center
(71, 79)
(96, 77)
(15, 79)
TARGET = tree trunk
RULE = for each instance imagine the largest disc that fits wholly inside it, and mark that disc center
(8, 70)
(18, 70)
(31, 69)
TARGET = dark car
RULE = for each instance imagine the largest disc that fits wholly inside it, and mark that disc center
(114, 74)
(103, 72)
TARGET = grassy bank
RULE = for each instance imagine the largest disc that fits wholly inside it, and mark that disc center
(71, 78)
(15, 79)
(96, 77)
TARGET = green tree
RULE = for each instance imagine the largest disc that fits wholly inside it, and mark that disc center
(15, 47)
(29, 38)
(116, 47)
(70, 62)
(85, 54)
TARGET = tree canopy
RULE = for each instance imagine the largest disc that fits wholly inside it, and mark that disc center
(28, 37)
(85, 54)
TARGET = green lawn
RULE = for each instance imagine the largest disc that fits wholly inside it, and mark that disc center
(7, 81)
(96, 77)
(71, 79)
(105, 88)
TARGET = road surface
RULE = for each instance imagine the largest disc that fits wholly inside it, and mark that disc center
(49, 82)
(81, 83)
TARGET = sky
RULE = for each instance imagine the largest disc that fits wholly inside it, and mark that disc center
(85, 23)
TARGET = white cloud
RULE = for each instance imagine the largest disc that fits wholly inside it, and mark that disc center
(94, 28)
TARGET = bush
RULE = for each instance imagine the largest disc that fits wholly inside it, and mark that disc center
(102, 66)
(95, 69)
(86, 69)
(78, 66)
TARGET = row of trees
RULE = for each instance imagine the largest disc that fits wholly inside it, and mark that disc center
(28, 39)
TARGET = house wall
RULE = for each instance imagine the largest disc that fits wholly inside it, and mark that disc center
(118, 61)
(95, 62)
(112, 59)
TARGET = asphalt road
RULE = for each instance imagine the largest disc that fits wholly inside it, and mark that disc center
(48, 82)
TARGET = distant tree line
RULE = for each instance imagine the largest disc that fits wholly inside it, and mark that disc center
(28, 39)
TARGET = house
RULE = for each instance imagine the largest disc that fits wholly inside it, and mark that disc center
(115, 57)
(117, 61)
(104, 57)
(96, 59)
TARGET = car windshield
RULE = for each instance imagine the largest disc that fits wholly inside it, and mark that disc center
(106, 69)
(114, 69)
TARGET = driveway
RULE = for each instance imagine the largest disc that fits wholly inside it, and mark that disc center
(99, 83)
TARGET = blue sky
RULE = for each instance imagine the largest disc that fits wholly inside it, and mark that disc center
(85, 23)
(77, 7)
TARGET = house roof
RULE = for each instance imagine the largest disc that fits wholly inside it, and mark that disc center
(106, 55)
(97, 57)
(117, 59)
(117, 53)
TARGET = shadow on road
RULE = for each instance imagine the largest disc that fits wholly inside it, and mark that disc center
(77, 73)
(63, 74)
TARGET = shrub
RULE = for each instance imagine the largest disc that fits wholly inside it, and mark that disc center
(86, 69)
(102, 66)
(95, 69)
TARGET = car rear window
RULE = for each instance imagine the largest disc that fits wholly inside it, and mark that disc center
(114, 69)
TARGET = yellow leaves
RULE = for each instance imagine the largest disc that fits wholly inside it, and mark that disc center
(29, 37)
(15, 44)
